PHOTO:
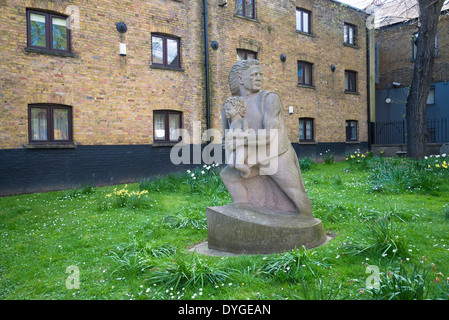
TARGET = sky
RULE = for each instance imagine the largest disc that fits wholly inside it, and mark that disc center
(361, 4)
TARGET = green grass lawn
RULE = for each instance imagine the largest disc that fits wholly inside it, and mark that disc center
(132, 241)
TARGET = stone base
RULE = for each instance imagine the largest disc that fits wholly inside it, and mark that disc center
(248, 229)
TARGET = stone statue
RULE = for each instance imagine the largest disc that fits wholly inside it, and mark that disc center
(264, 111)
(270, 210)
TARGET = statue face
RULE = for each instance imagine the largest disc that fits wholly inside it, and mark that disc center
(230, 111)
(251, 79)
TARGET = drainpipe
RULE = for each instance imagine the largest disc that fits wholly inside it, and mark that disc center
(368, 86)
(206, 56)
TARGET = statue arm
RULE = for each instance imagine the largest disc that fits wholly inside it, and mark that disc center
(271, 118)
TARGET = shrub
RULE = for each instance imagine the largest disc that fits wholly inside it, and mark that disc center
(359, 161)
(396, 175)
(189, 270)
(328, 157)
(305, 164)
(125, 198)
(402, 283)
(187, 218)
(291, 265)
(380, 236)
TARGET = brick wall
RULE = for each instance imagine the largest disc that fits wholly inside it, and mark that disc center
(396, 53)
(274, 33)
(113, 97)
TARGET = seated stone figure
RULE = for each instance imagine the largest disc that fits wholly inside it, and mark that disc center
(283, 189)
(270, 210)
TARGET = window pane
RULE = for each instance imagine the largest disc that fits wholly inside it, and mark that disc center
(351, 35)
(172, 52)
(308, 129)
(346, 34)
(59, 33)
(251, 55)
(37, 30)
(157, 50)
(173, 120)
(239, 7)
(38, 124)
(299, 20)
(305, 19)
(249, 8)
(301, 129)
(307, 74)
(240, 55)
(346, 81)
(431, 97)
(159, 126)
(352, 81)
(61, 124)
(300, 73)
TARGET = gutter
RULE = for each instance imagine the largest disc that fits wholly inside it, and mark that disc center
(206, 56)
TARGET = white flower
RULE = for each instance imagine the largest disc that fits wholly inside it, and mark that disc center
(192, 175)
(202, 172)
(188, 171)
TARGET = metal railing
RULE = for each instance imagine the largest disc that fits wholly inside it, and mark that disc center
(395, 132)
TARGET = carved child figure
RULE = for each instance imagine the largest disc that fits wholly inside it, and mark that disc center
(235, 110)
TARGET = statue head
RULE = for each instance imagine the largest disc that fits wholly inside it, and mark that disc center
(245, 74)
(235, 105)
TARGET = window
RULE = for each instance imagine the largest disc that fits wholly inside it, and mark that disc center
(415, 45)
(245, 54)
(165, 51)
(350, 81)
(351, 130)
(350, 34)
(305, 129)
(304, 73)
(431, 96)
(166, 123)
(48, 31)
(245, 8)
(50, 123)
(303, 20)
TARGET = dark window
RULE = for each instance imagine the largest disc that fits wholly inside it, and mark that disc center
(165, 50)
(305, 73)
(245, 8)
(166, 123)
(50, 123)
(48, 31)
(350, 81)
(303, 20)
(245, 54)
(351, 130)
(305, 129)
(350, 33)
(431, 96)
(415, 45)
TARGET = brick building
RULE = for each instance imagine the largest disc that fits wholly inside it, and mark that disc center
(91, 91)
(396, 30)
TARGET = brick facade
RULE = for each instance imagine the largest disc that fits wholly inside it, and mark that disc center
(113, 97)
(396, 53)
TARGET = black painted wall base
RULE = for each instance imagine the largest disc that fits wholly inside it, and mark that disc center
(40, 170)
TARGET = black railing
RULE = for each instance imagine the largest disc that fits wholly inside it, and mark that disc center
(395, 132)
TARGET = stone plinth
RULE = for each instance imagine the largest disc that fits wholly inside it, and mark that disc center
(248, 229)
